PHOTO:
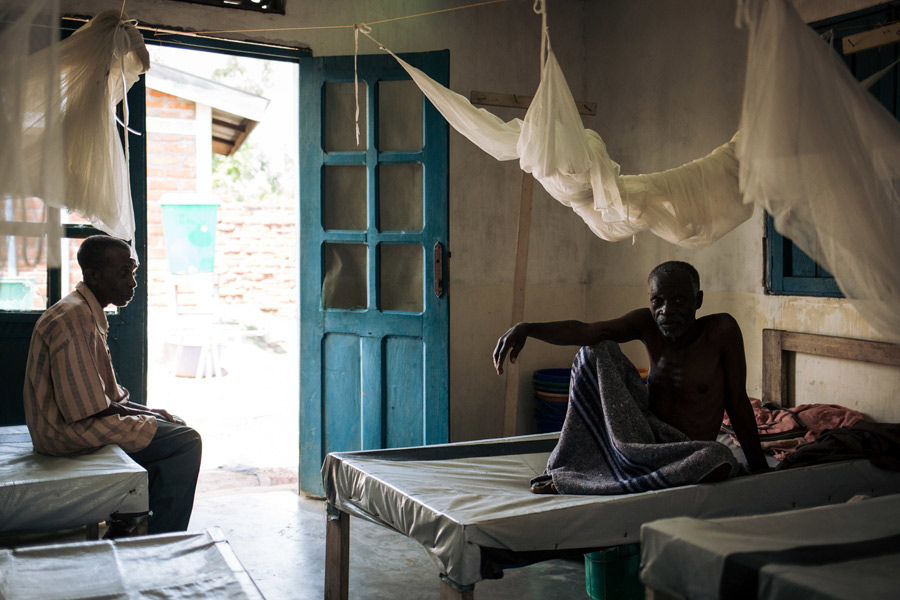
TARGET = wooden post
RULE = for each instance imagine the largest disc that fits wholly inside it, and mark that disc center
(337, 554)
(511, 406)
(773, 368)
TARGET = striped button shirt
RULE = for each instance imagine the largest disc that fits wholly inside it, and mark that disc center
(69, 378)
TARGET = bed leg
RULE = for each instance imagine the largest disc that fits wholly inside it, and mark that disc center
(337, 554)
(451, 592)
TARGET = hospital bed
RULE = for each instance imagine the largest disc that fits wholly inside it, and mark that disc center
(40, 493)
(470, 506)
(174, 565)
(834, 552)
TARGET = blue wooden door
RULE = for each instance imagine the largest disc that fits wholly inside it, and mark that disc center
(374, 311)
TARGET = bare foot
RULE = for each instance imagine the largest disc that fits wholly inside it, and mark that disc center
(544, 487)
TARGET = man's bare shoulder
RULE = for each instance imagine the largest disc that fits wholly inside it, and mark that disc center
(722, 326)
(720, 320)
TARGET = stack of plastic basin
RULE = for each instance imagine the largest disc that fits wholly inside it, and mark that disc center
(551, 398)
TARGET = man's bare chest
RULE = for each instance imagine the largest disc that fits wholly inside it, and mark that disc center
(686, 374)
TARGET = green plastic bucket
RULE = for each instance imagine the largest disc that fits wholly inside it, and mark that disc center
(190, 229)
(614, 574)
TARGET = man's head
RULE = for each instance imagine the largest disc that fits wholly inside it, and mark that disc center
(675, 297)
(108, 269)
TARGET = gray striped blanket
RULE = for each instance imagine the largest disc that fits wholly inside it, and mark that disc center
(612, 444)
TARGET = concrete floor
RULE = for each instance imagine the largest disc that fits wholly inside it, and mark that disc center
(248, 418)
(280, 538)
(248, 481)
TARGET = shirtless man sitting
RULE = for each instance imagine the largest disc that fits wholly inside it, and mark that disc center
(697, 366)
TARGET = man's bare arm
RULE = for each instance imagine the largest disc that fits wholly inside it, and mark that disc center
(567, 333)
(737, 404)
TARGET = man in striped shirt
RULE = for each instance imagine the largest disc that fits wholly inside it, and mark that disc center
(74, 404)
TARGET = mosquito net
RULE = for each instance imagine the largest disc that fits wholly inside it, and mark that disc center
(58, 122)
(814, 148)
(823, 157)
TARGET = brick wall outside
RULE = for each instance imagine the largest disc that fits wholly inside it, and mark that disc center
(256, 255)
(256, 245)
(171, 167)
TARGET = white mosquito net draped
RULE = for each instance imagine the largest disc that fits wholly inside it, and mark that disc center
(58, 124)
(814, 148)
(823, 157)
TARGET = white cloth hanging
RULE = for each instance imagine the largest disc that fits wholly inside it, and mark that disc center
(31, 155)
(61, 142)
(822, 156)
(692, 205)
(816, 151)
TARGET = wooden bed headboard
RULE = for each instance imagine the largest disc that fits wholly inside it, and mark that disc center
(777, 342)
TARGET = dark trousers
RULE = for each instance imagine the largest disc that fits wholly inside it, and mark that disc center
(172, 460)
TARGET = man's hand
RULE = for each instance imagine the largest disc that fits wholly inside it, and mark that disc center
(510, 343)
(161, 413)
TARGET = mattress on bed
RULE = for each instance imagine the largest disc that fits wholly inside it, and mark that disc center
(455, 499)
(839, 552)
(175, 565)
(47, 493)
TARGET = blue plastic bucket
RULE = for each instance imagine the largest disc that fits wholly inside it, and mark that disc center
(553, 375)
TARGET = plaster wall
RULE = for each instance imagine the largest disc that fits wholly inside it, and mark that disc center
(669, 77)
(492, 48)
(668, 81)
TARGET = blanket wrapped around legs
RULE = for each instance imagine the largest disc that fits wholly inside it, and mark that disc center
(612, 444)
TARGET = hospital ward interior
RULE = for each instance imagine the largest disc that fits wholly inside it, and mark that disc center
(313, 237)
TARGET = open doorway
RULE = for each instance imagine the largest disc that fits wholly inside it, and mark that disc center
(222, 216)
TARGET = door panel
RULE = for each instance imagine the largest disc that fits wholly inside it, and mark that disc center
(403, 423)
(373, 333)
(341, 392)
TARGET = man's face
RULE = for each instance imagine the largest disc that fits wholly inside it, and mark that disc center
(114, 283)
(674, 304)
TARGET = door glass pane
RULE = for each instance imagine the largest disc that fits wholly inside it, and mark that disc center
(340, 120)
(401, 277)
(399, 116)
(345, 282)
(344, 197)
(400, 197)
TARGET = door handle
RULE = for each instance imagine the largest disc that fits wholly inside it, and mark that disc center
(438, 269)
